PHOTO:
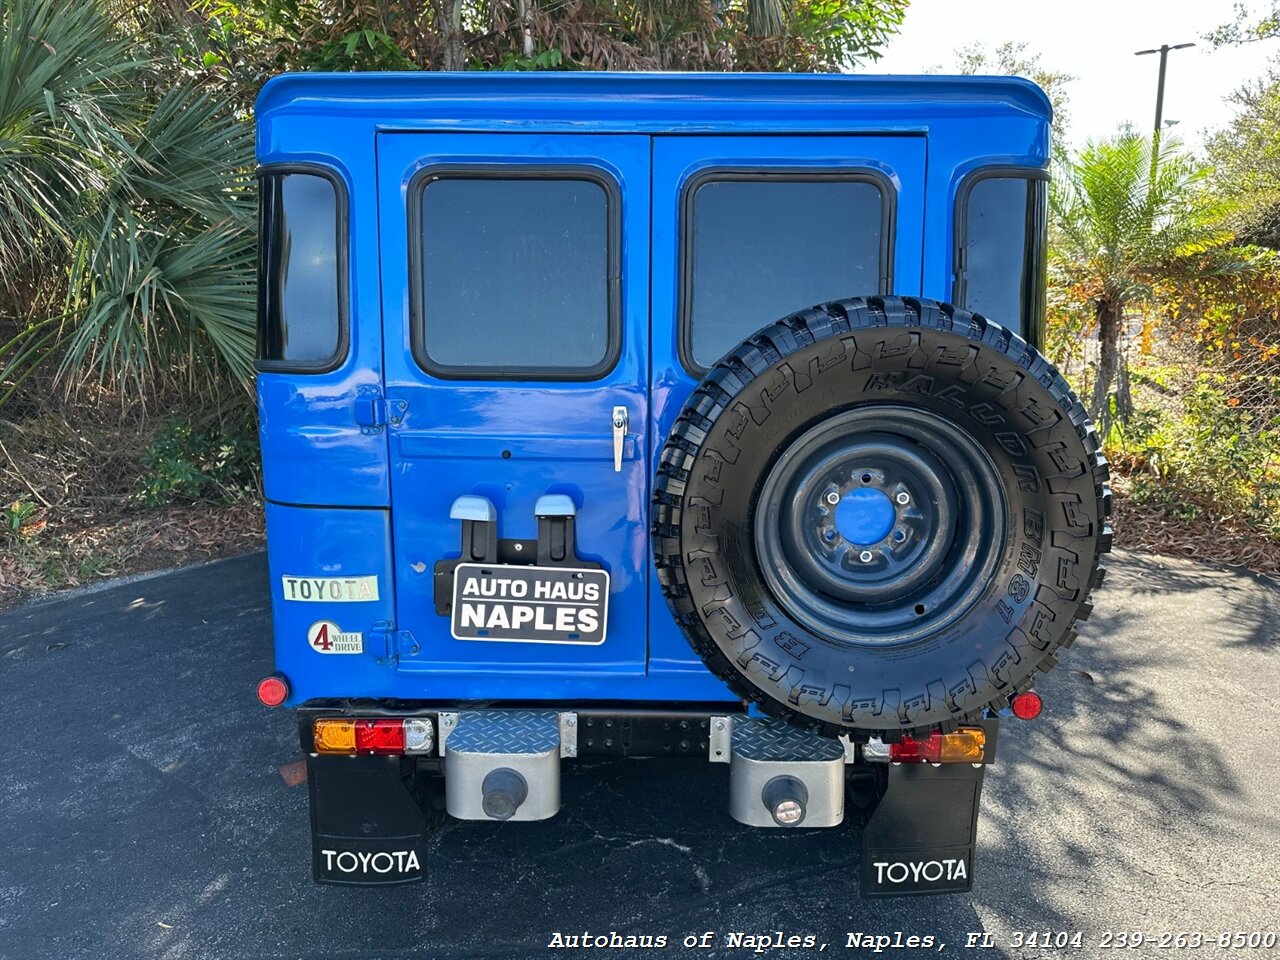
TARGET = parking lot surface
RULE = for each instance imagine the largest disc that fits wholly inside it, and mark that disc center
(143, 812)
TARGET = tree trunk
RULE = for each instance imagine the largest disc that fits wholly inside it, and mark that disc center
(1124, 391)
(455, 51)
(764, 18)
(417, 23)
(528, 49)
(1109, 315)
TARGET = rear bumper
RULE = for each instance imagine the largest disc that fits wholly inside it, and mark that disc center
(604, 730)
(372, 815)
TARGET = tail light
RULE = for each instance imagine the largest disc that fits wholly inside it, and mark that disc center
(335, 736)
(376, 735)
(1026, 706)
(966, 745)
(273, 690)
(379, 736)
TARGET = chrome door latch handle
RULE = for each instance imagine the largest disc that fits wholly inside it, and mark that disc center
(621, 420)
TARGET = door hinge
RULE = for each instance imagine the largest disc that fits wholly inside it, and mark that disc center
(389, 644)
(407, 644)
(374, 411)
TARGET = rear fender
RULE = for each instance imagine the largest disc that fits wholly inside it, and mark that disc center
(332, 600)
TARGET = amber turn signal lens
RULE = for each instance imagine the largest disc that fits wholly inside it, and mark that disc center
(335, 735)
(966, 745)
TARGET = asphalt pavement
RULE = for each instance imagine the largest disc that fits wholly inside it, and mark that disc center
(143, 812)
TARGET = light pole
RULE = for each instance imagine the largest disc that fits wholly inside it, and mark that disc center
(1164, 58)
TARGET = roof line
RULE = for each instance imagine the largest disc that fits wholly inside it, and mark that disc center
(1017, 92)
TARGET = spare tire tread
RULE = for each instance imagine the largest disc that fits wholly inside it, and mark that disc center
(754, 357)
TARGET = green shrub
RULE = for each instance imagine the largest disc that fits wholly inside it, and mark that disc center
(1211, 459)
(216, 464)
(20, 519)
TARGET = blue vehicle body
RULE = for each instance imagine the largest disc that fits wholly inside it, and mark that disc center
(363, 459)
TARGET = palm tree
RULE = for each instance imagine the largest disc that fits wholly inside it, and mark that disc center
(126, 235)
(1128, 212)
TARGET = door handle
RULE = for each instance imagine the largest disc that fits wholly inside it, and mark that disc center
(621, 420)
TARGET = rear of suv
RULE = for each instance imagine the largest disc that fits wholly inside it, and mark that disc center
(562, 460)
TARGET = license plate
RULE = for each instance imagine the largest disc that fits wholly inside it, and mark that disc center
(529, 604)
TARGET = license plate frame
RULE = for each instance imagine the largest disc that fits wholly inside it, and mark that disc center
(538, 610)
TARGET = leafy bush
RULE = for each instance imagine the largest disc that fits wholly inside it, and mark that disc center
(214, 464)
(250, 39)
(1211, 459)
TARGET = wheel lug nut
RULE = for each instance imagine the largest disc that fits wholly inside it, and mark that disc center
(903, 497)
(833, 498)
(865, 556)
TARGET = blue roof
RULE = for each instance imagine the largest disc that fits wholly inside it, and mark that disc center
(657, 102)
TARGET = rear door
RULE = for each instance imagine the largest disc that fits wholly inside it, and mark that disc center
(515, 325)
(747, 229)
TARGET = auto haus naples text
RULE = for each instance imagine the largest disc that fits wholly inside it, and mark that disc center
(496, 602)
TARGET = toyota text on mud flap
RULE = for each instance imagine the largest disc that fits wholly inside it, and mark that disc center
(663, 415)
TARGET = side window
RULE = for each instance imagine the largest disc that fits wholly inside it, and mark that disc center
(515, 275)
(758, 247)
(1000, 223)
(301, 261)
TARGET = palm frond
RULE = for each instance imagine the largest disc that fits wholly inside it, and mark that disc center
(1132, 204)
(59, 69)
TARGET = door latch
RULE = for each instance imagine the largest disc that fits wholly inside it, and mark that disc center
(621, 420)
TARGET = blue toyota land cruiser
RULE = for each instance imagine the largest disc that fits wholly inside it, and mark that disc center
(562, 460)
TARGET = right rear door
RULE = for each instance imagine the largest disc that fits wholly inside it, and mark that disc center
(749, 229)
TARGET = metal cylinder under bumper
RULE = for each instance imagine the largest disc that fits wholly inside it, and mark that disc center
(503, 765)
(766, 755)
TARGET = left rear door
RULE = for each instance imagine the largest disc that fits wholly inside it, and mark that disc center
(515, 308)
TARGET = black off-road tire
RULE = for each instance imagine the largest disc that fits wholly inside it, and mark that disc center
(861, 359)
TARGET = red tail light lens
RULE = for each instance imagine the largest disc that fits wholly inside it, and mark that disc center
(273, 691)
(911, 750)
(966, 745)
(1027, 706)
(379, 736)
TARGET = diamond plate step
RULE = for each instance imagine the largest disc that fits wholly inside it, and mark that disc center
(757, 739)
(506, 732)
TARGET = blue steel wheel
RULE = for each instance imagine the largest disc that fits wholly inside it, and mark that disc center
(880, 524)
(881, 516)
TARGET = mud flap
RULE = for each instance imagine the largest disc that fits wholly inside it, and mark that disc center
(922, 835)
(367, 826)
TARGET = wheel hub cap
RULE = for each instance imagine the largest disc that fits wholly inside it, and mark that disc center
(880, 524)
(864, 516)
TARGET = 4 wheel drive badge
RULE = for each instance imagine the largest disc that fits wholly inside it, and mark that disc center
(325, 636)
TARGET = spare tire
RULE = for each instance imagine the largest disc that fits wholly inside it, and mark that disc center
(881, 516)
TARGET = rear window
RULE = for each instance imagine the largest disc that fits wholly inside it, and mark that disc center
(515, 276)
(759, 247)
(301, 313)
(1000, 224)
